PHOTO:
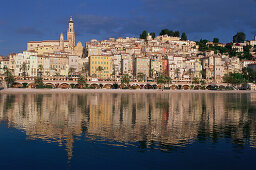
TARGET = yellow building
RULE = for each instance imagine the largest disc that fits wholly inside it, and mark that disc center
(198, 68)
(105, 62)
(44, 49)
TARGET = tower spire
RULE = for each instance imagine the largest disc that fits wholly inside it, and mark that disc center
(71, 34)
(71, 19)
(61, 42)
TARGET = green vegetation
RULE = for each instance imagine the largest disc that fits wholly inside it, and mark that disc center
(39, 82)
(9, 78)
(141, 77)
(24, 70)
(161, 79)
(143, 35)
(100, 69)
(184, 37)
(153, 35)
(81, 81)
(247, 76)
(85, 69)
(125, 79)
(71, 71)
(227, 49)
(202, 45)
(216, 40)
(239, 37)
(170, 33)
(40, 70)
(195, 80)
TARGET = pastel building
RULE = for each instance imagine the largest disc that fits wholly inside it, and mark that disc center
(101, 61)
(141, 65)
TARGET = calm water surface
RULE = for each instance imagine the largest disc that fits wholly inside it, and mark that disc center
(128, 131)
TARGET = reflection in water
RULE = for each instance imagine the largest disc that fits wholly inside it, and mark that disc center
(146, 121)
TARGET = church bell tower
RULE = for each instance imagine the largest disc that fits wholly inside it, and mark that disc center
(71, 34)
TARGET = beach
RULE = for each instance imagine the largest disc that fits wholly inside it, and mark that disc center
(80, 91)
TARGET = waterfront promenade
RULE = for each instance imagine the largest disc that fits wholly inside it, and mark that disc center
(80, 91)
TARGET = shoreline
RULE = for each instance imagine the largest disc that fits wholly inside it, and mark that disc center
(84, 91)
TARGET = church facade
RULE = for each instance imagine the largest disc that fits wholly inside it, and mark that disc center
(52, 46)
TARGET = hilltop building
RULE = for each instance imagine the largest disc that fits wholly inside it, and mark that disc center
(61, 45)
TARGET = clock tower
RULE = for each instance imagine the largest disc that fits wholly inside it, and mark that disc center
(71, 34)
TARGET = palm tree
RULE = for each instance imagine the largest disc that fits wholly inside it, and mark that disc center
(71, 72)
(100, 69)
(141, 76)
(39, 82)
(81, 81)
(151, 72)
(190, 72)
(85, 69)
(161, 79)
(169, 80)
(57, 74)
(24, 70)
(177, 72)
(114, 74)
(40, 69)
(125, 79)
(9, 78)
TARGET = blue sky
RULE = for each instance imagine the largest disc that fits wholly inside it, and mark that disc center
(26, 20)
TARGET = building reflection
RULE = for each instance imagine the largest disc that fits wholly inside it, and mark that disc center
(161, 121)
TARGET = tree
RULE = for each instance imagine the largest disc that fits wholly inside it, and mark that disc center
(190, 73)
(195, 80)
(100, 69)
(164, 32)
(125, 79)
(151, 72)
(168, 80)
(143, 35)
(177, 72)
(234, 78)
(202, 45)
(24, 70)
(176, 34)
(9, 78)
(249, 75)
(153, 35)
(247, 48)
(141, 76)
(184, 37)
(239, 37)
(170, 33)
(39, 82)
(161, 79)
(40, 70)
(85, 69)
(114, 74)
(216, 40)
(71, 71)
(81, 81)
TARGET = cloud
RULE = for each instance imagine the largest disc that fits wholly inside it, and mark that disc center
(190, 16)
(110, 26)
(28, 31)
(3, 22)
(203, 15)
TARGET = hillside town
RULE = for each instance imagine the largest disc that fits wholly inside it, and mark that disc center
(149, 59)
